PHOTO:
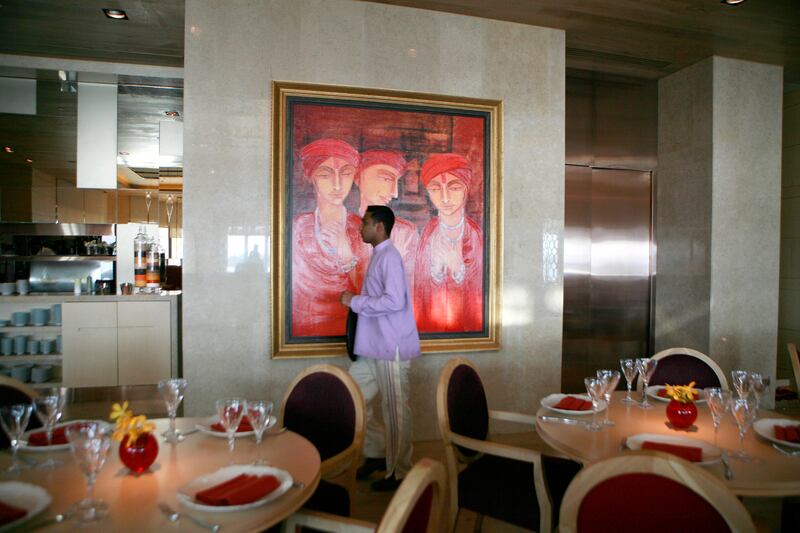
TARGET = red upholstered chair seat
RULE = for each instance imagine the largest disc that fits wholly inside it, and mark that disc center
(638, 502)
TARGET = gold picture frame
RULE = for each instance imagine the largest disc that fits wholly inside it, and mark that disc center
(414, 126)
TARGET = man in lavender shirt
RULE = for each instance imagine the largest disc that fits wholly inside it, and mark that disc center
(386, 341)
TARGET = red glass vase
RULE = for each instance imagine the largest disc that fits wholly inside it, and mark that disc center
(140, 455)
(681, 415)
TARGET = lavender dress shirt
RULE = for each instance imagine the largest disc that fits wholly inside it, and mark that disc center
(386, 323)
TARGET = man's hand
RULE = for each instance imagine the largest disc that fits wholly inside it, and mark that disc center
(345, 298)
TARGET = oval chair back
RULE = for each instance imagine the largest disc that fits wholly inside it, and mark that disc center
(642, 489)
(680, 366)
(417, 505)
(324, 404)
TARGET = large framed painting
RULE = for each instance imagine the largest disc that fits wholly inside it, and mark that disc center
(435, 161)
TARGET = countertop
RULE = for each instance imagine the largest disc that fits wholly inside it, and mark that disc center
(69, 297)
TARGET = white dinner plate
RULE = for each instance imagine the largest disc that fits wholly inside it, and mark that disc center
(32, 498)
(23, 443)
(652, 391)
(711, 454)
(766, 428)
(205, 427)
(549, 401)
(187, 492)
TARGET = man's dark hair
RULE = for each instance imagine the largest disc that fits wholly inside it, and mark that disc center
(384, 215)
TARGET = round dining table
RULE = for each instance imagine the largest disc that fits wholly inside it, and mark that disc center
(133, 500)
(768, 473)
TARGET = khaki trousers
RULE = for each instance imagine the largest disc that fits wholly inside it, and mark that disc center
(390, 437)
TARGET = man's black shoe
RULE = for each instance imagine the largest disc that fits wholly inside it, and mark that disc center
(371, 464)
(385, 484)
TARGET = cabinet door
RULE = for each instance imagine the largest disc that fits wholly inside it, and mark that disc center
(144, 342)
(89, 331)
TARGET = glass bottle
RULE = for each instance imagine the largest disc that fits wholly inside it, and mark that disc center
(140, 246)
(154, 267)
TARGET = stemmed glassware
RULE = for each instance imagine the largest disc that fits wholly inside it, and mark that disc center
(230, 412)
(596, 388)
(646, 368)
(741, 382)
(759, 384)
(610, 379)
(14, 419)
(49, 408)
(258, 412)
(629, 370)
(89, 444)
(172, 392)
(719, 401)
(744, 412)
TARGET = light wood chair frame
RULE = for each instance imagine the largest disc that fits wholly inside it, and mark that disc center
(425, 473)
(723, 382)
(344, 464)
(710, 488)
(454, 457)
(795, 359)
(12, 383)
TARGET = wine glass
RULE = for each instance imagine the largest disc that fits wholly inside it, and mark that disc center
(172, 392)
(629, 370)
(610, 379)
(49, 408)
(744, 412)
(719, 401)
(596, 388)
(646, 368)
(741, 382)
(89, 444)
(230, 412)
(759, 384)
(14, 419)
(258, 412)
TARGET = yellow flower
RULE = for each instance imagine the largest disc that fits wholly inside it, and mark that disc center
(682, 393)
(128, 425)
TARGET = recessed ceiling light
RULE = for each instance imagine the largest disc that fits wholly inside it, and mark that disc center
(733, 2)
(116, 14)
(9, 150)
(29, 160)
(172, 114)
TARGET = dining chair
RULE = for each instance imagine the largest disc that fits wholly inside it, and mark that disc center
(324, 404)
(516, 485)
(680, 366)
(14, 391)
(650, 490)
(416, 507)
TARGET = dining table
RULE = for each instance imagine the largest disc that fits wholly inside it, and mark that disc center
(134, 500)
(767, 472)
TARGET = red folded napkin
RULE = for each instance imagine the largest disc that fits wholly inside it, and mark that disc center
(662, 393)
(59, 436)
(244, 425)
(572, 403)
(788, 433)
(9, 513)
(239, 490)
(690, 453)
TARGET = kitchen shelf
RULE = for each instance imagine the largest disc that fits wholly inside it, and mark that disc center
(31, 329)
(58, 258)
(31, 358)
(44, 384)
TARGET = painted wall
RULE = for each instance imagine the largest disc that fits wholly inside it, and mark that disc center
(718, 194)
(233, 53)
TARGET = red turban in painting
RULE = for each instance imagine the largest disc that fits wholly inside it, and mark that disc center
(383, 157)
(454, 164)
(313, 154)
